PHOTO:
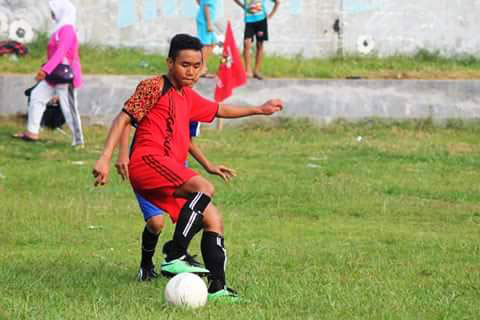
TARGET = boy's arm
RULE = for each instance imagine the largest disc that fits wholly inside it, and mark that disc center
(268, 108)
(100, 171)
(225, 173)
(123, 153)
(274, 9)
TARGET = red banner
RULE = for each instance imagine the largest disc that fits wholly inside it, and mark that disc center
(230, 72)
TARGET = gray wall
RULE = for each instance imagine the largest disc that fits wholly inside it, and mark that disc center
(301, 27)
(322, 100)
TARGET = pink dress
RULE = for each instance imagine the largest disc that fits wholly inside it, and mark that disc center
(63, 45)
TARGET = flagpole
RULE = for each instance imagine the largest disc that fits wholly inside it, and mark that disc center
(219, 124)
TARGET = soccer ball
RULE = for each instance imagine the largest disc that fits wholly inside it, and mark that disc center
(186, 289)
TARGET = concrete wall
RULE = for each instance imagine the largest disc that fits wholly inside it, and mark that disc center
(390, 26)
(321, 100)
(306, 27)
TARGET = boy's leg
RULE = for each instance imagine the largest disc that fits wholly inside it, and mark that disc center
(261, 34)
(183, 194)
(154, 218)
(206, 52)
(247, 46)
(212, 245)
(215, 255)
(213, 248)
(258, 60)
(198, 192)
(150, 236)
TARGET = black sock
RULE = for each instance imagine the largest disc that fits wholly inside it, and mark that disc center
(188, 224)
(149, 242)
(215, 258)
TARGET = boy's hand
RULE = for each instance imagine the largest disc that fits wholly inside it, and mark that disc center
(122, 166)
(100, 172)
(271, 106)
(225, 173)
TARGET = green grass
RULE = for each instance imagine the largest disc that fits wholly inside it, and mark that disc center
(424, 64)
(318, 225)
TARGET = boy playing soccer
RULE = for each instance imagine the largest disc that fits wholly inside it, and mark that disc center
(154, 216)
(160, 148)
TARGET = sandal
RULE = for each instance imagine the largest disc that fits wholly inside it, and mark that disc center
(258, 76)
(24, 136)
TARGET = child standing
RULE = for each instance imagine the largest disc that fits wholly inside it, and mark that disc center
(256, 26)
(206, 16)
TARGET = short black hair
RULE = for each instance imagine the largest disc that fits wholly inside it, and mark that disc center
(183, 41)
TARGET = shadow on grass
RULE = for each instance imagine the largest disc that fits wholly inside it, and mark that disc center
(66, 272)
(17, 148)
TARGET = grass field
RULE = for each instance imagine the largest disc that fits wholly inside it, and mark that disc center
(422, 65)
(318, 225)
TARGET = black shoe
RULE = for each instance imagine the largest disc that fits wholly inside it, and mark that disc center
(258, 76)
(191, 259)
(188, 258)
(147, 274)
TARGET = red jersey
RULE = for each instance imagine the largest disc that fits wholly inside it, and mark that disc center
(164, 128)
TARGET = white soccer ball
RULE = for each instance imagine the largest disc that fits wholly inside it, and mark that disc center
(186, 289)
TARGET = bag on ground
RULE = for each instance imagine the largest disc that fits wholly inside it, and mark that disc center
(12, 47)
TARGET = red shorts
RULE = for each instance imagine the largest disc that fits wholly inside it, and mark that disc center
(156, 178)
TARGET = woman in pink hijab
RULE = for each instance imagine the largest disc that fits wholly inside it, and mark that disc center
(62, 48)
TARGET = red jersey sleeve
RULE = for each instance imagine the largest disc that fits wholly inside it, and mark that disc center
(203, 110)
(146, 96)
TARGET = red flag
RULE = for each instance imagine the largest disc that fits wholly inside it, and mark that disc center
(230, 72)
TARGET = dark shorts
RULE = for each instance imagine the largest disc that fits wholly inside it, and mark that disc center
(257, 29)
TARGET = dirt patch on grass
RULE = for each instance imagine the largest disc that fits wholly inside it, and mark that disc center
(460, 148)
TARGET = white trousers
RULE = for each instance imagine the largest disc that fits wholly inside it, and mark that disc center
(39, 98)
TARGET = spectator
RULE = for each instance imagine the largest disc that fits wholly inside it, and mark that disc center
(256, 25)
(62, 48)
(206, 16)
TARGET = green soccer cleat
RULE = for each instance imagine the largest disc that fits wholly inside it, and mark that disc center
(225, 295)
(181, 265)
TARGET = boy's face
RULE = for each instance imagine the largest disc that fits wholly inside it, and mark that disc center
(185, 69)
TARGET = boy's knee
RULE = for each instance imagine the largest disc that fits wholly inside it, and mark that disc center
(196, 184)
(155, 224)
(209, 190)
